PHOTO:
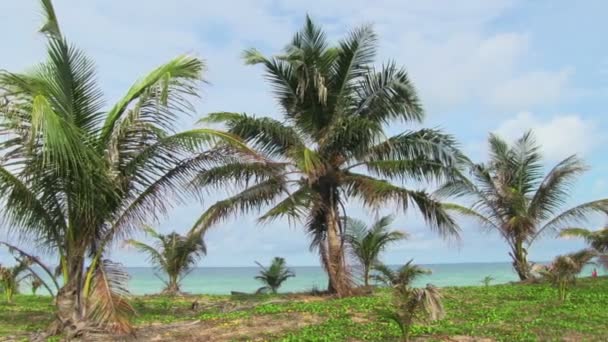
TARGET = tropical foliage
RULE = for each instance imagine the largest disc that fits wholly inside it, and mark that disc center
(487, 280)
(597, 239)
(366, 243)
(274, 275)
(11, 278)
(410, 303)
(562, 272)
(330, 145)
(510, 195)
(75, 177)
(403, 275)
(173, 254)
(35, 284)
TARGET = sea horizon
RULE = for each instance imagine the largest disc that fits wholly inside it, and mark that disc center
(223, 280)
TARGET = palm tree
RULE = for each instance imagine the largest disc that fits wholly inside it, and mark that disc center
(28, 260)
(512, 196)
(366, 243)
(402, 276)
(563, 270)
(173, 254)
(330, 146)
(77, 177)
(35, 284)
(410, 303)
(11, 278)
(274, 276)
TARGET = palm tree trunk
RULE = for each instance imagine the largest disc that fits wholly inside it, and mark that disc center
(520, 260)
(69, 301)
(366, 275)
(339, 280)
(172, 287)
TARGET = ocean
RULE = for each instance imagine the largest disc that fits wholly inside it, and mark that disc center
(222, 280)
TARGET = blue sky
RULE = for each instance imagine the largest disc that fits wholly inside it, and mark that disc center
(480, 66)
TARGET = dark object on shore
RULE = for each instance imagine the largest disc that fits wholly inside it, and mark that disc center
(195, 305)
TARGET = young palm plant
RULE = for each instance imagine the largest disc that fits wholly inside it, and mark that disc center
(405, 274)
(563, 270)
(409, 303)
(330, 145)
(173, 254)
(511, 196)
(12, 277)
(35, 284)
(274, 275)
(366, 243)
(76, 177)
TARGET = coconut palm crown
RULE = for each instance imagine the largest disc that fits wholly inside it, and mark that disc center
(367, 243)
(512, 196)
(173, 254)
(330, 146)
(274, 275)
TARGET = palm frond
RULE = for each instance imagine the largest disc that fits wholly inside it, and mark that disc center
(176, 79)
(578, 214)
(108, 303)
(374, 192)
(252, 198)
(388, 94)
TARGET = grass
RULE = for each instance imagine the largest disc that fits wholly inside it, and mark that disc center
(500, 312)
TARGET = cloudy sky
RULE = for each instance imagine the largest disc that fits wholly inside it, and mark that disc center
(480, 66)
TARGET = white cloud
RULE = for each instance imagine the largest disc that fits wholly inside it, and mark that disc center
(533, 88)
(559, 136)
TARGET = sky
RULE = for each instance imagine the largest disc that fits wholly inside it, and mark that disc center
(480, 66)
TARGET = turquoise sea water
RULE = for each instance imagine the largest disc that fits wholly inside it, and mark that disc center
(222, 280)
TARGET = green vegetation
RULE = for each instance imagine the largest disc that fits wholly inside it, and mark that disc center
(562, 272)
(366, 243)
(75, 177)
(174, 255)
(487, 280)
(11, 278)
(404, 275)
(274, 275)
(331, 146)
(512, 197)
(503, 312)
(410, 304)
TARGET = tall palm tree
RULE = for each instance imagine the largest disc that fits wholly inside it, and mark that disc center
(173, 254)
(330, 145)
(274, 276)
(511, 196)
(76, 177)
(366, 243)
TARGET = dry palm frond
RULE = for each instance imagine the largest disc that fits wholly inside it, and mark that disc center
(108, 304)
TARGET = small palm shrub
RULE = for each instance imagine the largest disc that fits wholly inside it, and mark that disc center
(562, 272)
(273, 276)
(11, 278)
(487, 280)
(35, 284)
(410, 304)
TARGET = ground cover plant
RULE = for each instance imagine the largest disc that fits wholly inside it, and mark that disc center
(498, 313)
